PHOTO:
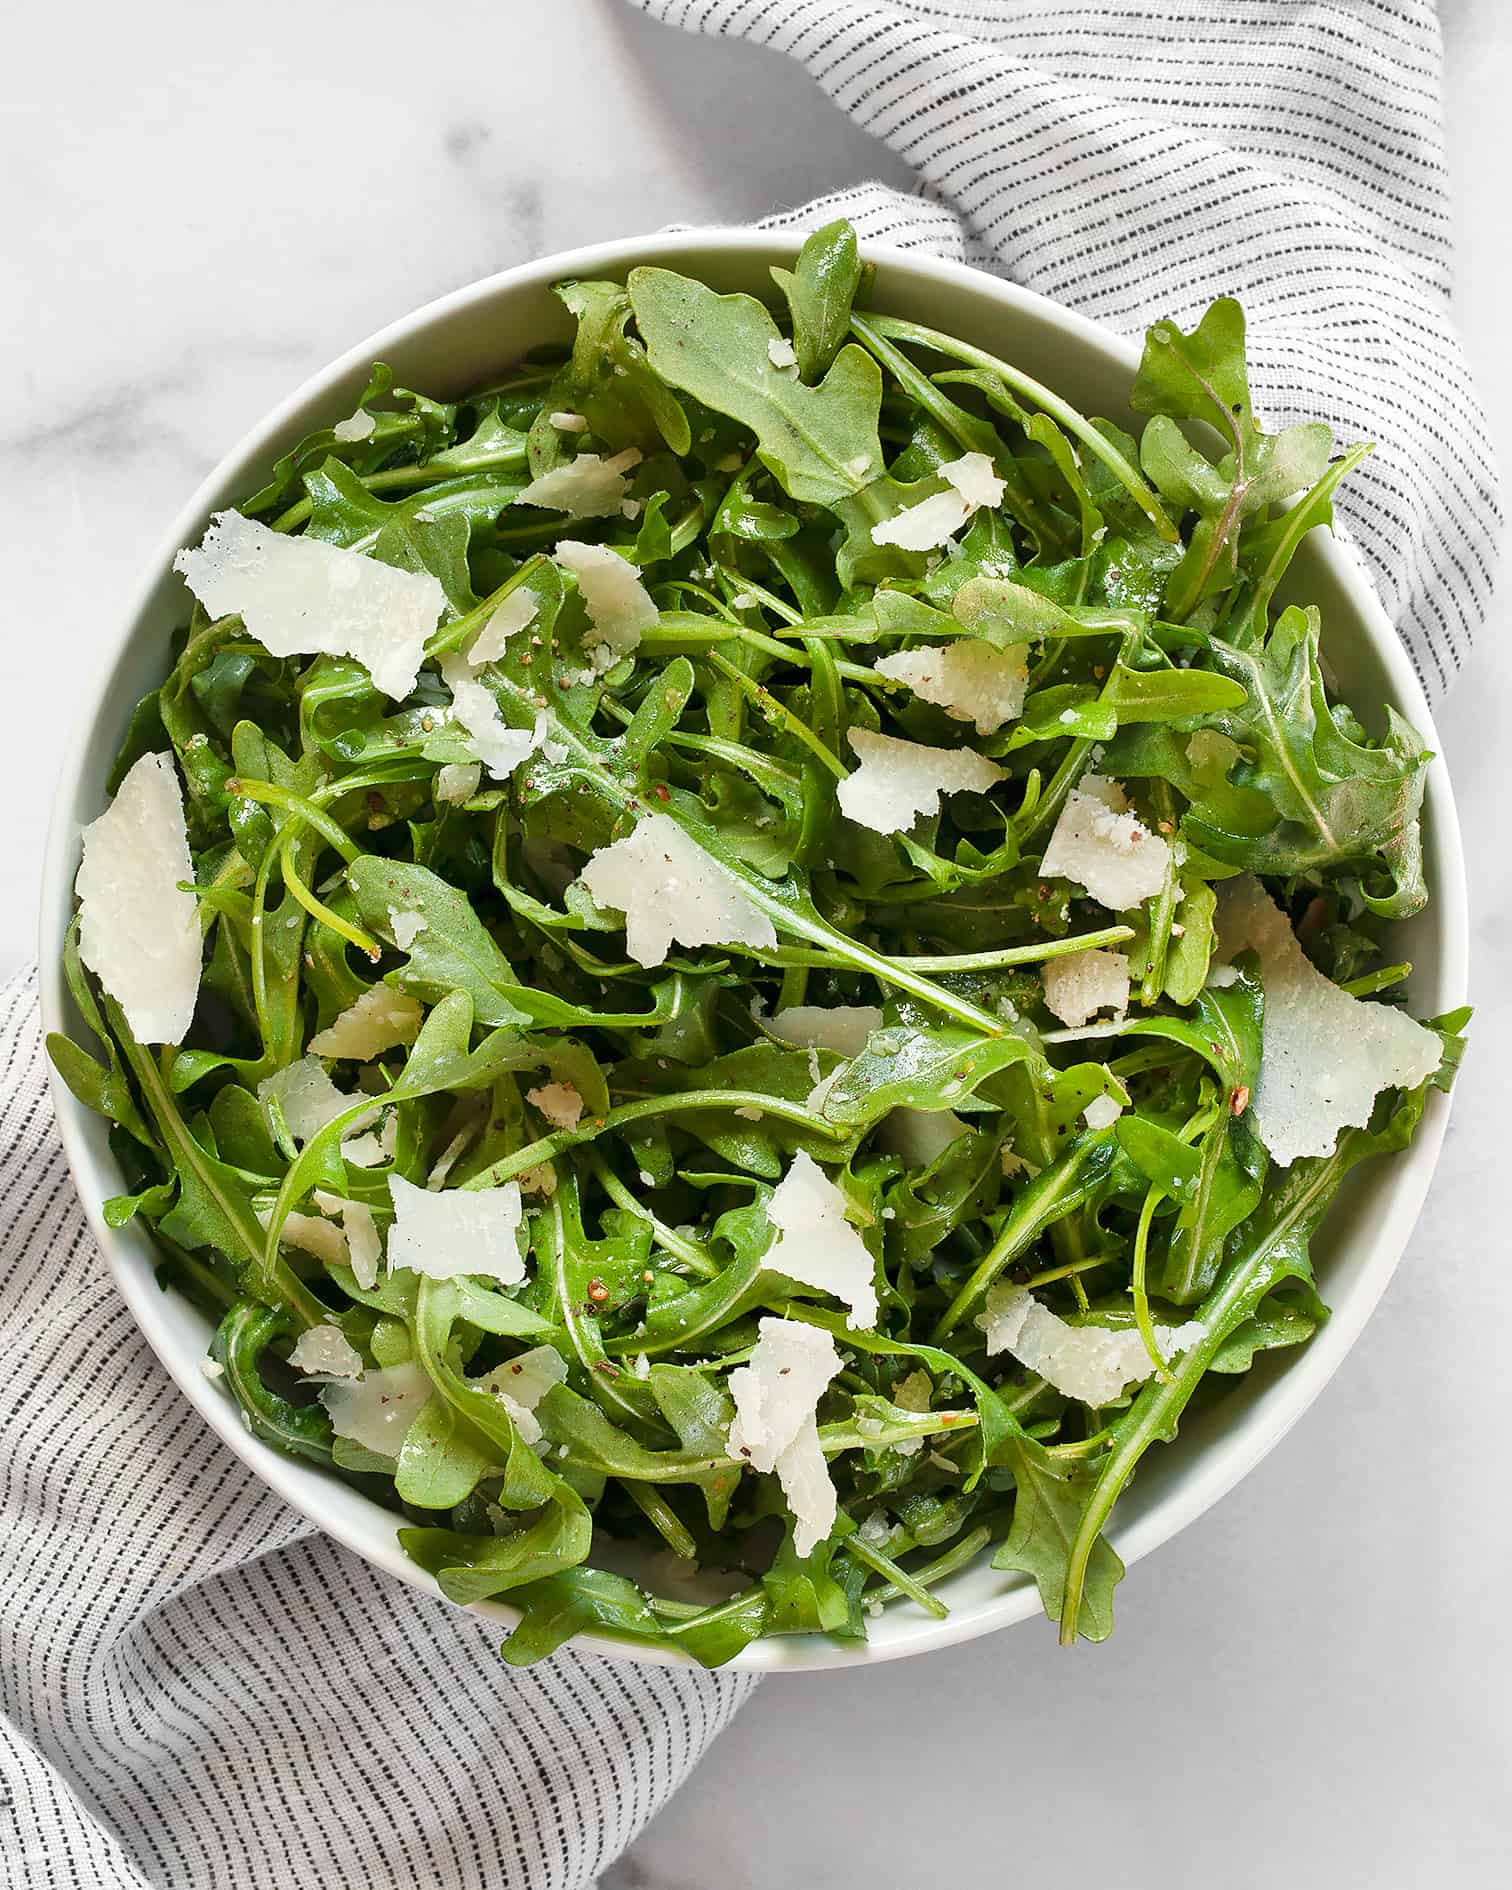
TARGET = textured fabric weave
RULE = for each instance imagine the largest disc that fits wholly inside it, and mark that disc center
(197, 1688)
(1135, 158)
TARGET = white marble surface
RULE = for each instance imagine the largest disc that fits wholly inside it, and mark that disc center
(201, 205)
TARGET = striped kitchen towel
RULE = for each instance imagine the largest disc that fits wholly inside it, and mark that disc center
(198, 1690)
(1135, 158)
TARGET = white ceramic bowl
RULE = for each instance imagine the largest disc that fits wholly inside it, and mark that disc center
(461, 341)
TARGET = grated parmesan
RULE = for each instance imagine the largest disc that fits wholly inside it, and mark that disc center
(843, 1028)
(669, 888)
(514, 613)
(381, 1018)
(1324, 1055)
(457, 1231)
(619, 606)
(137, 931)
(1103, 848)
(589, 486)
(782, 354)
(300, 597)
(899, 781)
(1090, 1363)
(815, 1242)
(776, 1398)
(968, 679)
(1080, 985)
(377, 1409)
(559, 1103)
(324, 1352)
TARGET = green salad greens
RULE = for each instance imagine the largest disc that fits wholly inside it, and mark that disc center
(787, 947)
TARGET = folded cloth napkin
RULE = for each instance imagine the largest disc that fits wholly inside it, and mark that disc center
(1135, 158)
(197, 1688)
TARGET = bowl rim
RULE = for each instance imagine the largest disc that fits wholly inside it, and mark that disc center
(1213, 1471)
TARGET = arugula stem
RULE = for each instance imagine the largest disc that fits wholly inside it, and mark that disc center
(897, 1579)
(1096, 443)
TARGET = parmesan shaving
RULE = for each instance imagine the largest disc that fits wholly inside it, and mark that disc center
(458, 781)
(973, 477)
(1102, 1112)
(815, 1242)
(781, 354)
(669, 888)
(500, 748)
(1324, 1055)
(899, 781)
(405, 926)
(775, 1428)
(919, 1136)
(589, 486)
(381, 1018)
(968, 679)
(568, 422)
(1080, 985)
(324, 1352)
(137, 931)
(362, 1243)
(357, 426)
(300, 597)
(471, 1231)
(1103, 848)
(309, 1233)
(1090, 1363)
(559, 1103)
(514, 613)
(619, 606)
(521, 1383)
(308, 1098)
(843, 1028)
(926, 526)
(378, 1408)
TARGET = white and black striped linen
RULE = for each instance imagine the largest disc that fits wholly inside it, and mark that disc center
(198, 1689)
(1135, 158)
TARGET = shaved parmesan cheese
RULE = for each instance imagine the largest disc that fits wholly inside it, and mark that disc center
(308, 1098)
(366, 1151)
(1324, 1055)
(970, 484)
(1103, 848)
(923, 527)
(776, 1397)
(569, 422)
(1079, 986)
(457, 781)
(137, 931)
(381, 1018)
(586, 487)
(816, 1244)
(356, 426)
(362, 1243)
(514, 613)
(973, 477)
(559, 1103)
(919, 1136)
(968, 679)
(1102, 1112)
(898, 781)
(521, 1383)
(299, 597)
(379, 1407)
(843, 1028)
(500, 748)
(460, 1231)
(405, 926)
(323, 1240)
(324, 1352)
(781, 354)
(619, 606)
(669, 888)
(539, 1180)
(1089, 1363)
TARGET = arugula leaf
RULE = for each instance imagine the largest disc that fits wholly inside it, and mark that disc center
(820, 291)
